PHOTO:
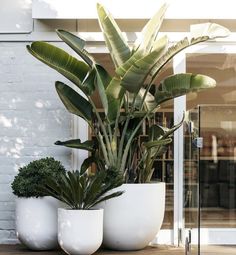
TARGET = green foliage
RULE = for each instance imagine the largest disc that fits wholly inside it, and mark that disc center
(74, 102)
(82, 191)
(77, 144)
(127, 98)
(158, 139)
(28, 179)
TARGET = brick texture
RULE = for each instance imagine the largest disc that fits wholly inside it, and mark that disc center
(32, 118)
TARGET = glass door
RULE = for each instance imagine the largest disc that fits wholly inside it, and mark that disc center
(217, 179)
(216, 122)
(192, 144)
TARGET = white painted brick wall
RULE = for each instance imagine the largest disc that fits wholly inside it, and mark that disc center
(32, 118)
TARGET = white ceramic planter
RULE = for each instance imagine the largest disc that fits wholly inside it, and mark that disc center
(36, 222)
(132, 220)
(80, 231)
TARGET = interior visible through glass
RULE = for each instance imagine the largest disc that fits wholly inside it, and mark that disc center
(215, 162)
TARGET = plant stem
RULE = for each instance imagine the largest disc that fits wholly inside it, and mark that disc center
(104, 152)
(110, 132)
(114, 140)
(109, 151)
(149, 167)
(145, 94)
(125, 154)
(124, 131)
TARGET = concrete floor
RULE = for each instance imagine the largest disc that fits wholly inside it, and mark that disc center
(160, 250)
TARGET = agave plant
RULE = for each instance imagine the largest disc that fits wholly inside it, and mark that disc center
(127, 98)
(81, 190)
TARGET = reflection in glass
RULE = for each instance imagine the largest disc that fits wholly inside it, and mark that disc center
(213, 113)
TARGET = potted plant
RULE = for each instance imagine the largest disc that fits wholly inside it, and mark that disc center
(36, 213)
(128, 99)
(80, 226)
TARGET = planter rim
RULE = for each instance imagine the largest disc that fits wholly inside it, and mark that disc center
(79, 210)
(142, 184)
(34, 197)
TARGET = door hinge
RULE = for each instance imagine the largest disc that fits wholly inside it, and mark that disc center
(198, 142)
(180, 236)
(188, 243)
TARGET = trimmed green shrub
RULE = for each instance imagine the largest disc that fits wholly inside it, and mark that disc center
(35, 174)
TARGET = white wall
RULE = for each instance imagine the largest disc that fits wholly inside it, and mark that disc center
(15, 16)
(32, 118)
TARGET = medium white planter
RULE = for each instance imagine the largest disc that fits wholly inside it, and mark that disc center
(132, 220)
(36, 222)
(80, 231)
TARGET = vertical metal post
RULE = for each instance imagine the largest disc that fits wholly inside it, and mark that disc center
(179, 66)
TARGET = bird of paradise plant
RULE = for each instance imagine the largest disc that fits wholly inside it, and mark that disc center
(127, 98)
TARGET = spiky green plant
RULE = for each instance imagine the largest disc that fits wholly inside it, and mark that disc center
(81, 190)
(127, 97)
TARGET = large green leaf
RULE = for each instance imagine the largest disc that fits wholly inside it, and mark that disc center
(157, 143)
(122, 69)
(102, 79)
(200, 33)
(149, 102)
(114, 93)
(77, 144)
(74, 102)
(156, 132)
(115, 41)
(181, 84)
(137, 73)
(168, 132)
(212, 30)
(150, 31)
(103, 74)
(92, 160)
(77, 44)
(97, 73)
(61, 61)
(89, 82)
(146, 42)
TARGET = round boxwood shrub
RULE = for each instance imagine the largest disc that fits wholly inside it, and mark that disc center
(35, 174)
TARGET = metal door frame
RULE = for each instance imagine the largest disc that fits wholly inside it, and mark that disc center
(208, 235)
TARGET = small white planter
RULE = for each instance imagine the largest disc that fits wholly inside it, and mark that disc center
(36, 222)
(80, 231)
(132, 220)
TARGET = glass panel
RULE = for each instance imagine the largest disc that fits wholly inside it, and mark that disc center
(191, 170)
(218, 166)
(190, 180)
(221, 67)
(217, 162)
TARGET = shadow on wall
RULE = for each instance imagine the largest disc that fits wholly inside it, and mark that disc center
(32, 118)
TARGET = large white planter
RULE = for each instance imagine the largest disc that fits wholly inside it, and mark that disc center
(132, 220)
(36, 222)
(80, 231)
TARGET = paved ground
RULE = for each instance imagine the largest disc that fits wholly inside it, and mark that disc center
(159, 250)
(162, 250)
